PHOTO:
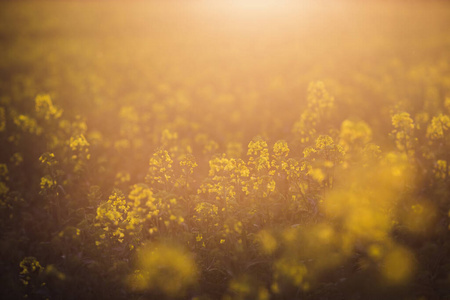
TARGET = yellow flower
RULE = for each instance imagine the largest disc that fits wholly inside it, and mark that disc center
(78, 143)
(47, 182)
(27, 124)
(438, 127)
(281, 149)
(48, 159)
(164, 268)
(320, 103)
(45, 107)
(199, 237)
(160, 170)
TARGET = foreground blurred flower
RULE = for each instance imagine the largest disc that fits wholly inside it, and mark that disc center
(163, 269)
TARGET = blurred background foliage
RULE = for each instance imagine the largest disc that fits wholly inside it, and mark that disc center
(224, 150)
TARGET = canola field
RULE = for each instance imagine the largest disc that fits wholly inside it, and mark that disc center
(225, 150)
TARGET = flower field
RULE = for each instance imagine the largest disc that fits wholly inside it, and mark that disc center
(224, 150)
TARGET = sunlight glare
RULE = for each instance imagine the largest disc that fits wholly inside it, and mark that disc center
(251, 8)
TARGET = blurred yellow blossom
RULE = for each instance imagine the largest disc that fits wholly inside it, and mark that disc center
(45, 107)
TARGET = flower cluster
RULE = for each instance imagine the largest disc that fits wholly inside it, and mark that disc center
(213, 172)
(112, 218)
(160, 172)
(404, 133)
(320, 102)
(45, 108)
